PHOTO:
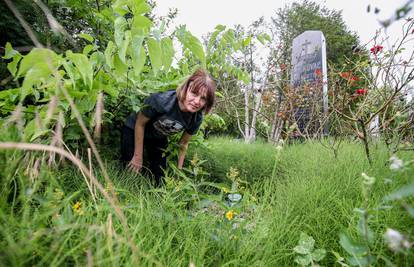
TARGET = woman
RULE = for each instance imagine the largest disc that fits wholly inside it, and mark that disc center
(165, 114)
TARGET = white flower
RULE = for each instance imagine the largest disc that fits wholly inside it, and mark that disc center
(368, 180)
(396, 163)
(396, 241)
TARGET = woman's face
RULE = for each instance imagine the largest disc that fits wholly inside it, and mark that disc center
(194, 102)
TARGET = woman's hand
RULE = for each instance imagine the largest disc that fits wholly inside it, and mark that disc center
(135, 164)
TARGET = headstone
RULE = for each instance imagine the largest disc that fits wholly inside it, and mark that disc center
(309, 79)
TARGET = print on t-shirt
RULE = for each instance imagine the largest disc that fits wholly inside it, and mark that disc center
(167, 127)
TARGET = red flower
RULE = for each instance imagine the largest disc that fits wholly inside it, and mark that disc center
(318, 72)
(361, 91)
(345, 75)
(354, 78)
(376, 49)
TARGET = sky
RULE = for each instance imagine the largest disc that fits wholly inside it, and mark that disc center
(202, 16)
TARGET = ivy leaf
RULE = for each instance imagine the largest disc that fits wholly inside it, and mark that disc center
(83, 65)
(138, 55)
(167, 52)
(154, 50)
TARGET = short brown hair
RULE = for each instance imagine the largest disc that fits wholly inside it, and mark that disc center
(199, 80)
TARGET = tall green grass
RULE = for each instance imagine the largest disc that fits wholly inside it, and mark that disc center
(299, 189)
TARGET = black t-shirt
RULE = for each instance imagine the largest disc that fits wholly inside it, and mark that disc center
(166, 117)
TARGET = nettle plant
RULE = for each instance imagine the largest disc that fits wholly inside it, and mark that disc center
(134, 63)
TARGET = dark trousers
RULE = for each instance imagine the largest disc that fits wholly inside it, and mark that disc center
(153, 158)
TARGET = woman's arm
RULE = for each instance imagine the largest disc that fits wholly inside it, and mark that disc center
(185, 138)
(136, 162)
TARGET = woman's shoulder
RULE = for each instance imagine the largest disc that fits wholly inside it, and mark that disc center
(162, 101)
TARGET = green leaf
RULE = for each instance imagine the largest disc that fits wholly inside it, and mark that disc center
(87, 37)
(120, 26)
(38, 73)
(109, 51)
(167, 52)
(318, 254)
(306, 244)
(121, 7)
(38, 55)
(304, 260)
(192, 43)
(365, 231)
(140, 7)
(155, 54)
(140, 23)
(213, 37)
(405, 191)
(219, 94)
(120, 68)
(138, 54)
(10, 52)
(247, 41)
(83, 65)
(351, 247)
(87, 49)
(124, 46)
(12, 66)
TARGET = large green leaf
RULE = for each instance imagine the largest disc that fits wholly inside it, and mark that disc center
(109, 53)
(155, 54)
(140, 7)
(405, 191)
(213, 37)
(138, 55)
(305, 245)
(83, 65)
(12, 66)
(124, 46)
(350, 246)
(119, 67)
(140, 24)
(167, 52)
(38, 73)
(192, 43)
(10, 52)
(121, 7)
(120, 26)
(38, 55)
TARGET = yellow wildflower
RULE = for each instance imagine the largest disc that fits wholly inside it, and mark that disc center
(225, 190)
(230, 214)
(77, 208)
(233, 173)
